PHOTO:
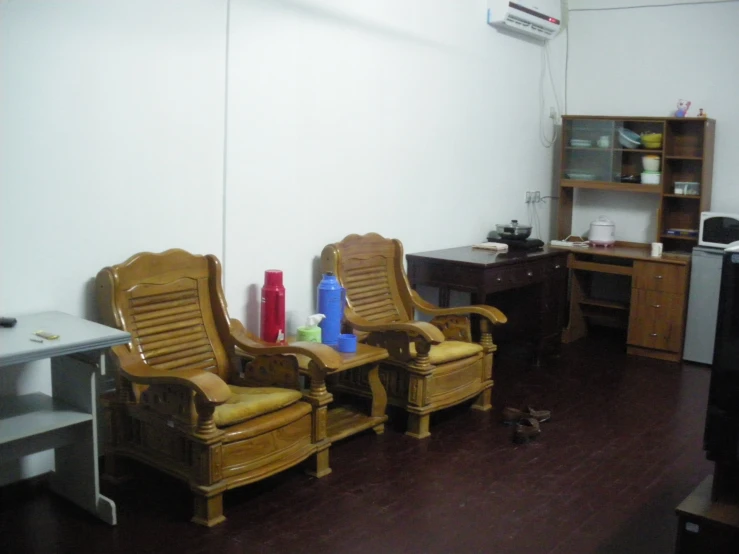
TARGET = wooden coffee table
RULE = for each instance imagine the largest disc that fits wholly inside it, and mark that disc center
(345, 420)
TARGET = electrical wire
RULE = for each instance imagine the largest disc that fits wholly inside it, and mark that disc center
(545, 140)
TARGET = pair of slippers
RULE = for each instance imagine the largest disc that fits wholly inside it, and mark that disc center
(527, 422)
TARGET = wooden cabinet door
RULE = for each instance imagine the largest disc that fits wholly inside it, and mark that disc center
(656, 320)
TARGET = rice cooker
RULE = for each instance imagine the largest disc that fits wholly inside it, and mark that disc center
(602, 232)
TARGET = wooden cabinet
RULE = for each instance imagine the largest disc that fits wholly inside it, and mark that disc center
(657, 309)
(644, 295)
(593, 157)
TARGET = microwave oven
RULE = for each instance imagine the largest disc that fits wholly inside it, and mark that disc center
(718, 230)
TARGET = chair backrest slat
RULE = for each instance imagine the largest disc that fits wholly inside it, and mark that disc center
(367, 267)
(164, 301)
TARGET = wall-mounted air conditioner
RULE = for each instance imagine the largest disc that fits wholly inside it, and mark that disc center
(537, 18)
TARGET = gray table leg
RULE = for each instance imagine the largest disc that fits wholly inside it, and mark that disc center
(76, 476)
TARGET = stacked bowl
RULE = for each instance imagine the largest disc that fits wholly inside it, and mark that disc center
(653, 141)
(651, 174)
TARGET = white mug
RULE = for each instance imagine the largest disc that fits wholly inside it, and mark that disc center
(604, 141)
(656, 249)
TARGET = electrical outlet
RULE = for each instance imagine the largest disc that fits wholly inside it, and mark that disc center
(537, 197)
(552, 112)
(527, 198)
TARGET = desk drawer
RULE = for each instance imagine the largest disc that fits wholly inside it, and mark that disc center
(515, 276)
(660, 277)
(656, 320)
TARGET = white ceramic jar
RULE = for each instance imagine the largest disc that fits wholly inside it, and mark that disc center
(602, 232)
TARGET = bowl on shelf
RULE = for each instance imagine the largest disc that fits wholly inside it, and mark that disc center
(652, 141)
(628, 138)
(650, 163)
(651, 178)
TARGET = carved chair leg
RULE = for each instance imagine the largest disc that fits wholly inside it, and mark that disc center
(208, 509)
(318, 464)
(115, 469)
(418, 426)
(483, 401)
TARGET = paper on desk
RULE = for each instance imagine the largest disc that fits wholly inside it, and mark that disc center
(495, 246)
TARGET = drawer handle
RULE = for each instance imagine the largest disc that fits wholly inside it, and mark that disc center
(653, 335)
(499, 279)
(656, 305)
(530, 273)
(557, 266)
(658, 276)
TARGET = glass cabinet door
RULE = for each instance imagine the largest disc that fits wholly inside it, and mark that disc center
(608, 151)
(588, 150)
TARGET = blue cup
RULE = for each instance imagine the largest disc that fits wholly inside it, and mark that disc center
(347, 343)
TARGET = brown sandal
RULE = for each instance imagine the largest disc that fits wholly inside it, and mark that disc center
(513, 415)
(526, 430)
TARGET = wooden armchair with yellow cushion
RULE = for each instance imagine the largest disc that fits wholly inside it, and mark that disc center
(185, 403)
(432, 365)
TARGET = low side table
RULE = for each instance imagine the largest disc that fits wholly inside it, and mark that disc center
(339, 422)
(67, 420)
(706, 526)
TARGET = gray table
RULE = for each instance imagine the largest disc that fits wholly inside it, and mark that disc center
(67, 420)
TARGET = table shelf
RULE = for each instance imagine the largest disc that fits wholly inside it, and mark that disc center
(32, 414)
(345, 420)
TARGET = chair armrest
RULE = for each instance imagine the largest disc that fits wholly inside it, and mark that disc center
(324, 356)
(209, 386)
(426, 331)
(494, 315)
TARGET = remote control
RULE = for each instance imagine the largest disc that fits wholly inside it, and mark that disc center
(8, 321)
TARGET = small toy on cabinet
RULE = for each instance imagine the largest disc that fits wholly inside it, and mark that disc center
(682, 108)
(701, 113)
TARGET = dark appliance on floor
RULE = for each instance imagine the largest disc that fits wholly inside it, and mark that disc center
(721, 437)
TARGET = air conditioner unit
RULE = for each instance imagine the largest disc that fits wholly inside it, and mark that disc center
(537, 18)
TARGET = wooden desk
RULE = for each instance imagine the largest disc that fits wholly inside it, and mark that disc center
(67, 420)
(653, 309)
(520, 284)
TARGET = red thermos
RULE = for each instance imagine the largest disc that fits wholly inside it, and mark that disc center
(273, 306)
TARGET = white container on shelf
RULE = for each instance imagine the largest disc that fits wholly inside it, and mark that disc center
(650, 163)
(649, 178)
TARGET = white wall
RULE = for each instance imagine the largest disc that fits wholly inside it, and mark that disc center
(639, 61)
(111, 140)
(413, 119)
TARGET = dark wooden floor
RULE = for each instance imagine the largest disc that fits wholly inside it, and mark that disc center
(622, 450)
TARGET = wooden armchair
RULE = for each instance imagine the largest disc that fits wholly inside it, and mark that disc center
(184, 402)
(431, 365)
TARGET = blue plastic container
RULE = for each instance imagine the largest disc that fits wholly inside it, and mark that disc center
(331, 299)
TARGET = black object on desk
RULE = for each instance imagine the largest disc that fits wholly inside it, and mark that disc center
(527, 245)
(8, 321)
(530, 288)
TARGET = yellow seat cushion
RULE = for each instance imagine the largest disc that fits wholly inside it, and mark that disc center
(249, 402)
(449, 351)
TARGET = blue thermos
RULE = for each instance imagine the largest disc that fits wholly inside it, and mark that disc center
(331, 298)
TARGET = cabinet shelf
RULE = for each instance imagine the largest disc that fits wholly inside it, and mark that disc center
(677, 237)
(654, 151)
(691, 158)
(611, 185)
(604, 304)
(33, 414)
(686, 196)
